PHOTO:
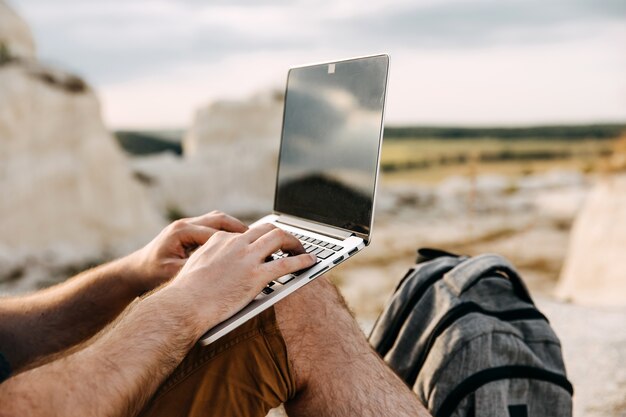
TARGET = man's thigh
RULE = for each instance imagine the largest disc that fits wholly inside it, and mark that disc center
(245, 373)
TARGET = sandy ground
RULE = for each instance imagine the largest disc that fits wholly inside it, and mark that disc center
(594, 349)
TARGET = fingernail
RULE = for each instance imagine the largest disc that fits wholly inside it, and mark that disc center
(313, 257)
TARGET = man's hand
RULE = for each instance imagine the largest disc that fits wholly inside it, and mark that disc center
(225, 274)
(36, 325)
(136, 353)
(162, 258)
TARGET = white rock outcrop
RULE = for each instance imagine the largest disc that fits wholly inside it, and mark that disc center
(15, 35)
(255, 121)
(595, 270)
(67, 193)
(229, 161)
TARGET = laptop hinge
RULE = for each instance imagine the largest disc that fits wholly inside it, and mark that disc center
(314, 227)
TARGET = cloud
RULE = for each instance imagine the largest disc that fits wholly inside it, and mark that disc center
(485, 22)
(114, 41)
(118, 39)
(191, 51)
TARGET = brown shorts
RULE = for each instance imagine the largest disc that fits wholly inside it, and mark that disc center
(245, 373)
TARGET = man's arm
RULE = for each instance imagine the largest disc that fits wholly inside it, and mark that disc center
(115, 374)
(123, 366)
(54, 319)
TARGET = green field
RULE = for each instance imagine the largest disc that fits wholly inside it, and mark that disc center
(430, 160)
(429, 154)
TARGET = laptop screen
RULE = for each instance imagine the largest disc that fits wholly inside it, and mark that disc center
(330, 144)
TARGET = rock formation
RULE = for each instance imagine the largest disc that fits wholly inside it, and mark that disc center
(15, 35)
(67, 193)
(594, 272)
(229, 160)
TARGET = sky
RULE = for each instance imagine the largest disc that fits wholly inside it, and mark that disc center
(459, 62)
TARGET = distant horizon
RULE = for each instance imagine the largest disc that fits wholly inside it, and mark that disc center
(415, 125)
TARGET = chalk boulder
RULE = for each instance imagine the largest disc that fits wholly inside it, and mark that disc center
(594, 272)
(229, 160)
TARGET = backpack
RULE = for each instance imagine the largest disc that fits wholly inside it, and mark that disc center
(466, 336)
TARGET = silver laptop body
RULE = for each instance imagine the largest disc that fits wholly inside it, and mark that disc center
(327, 169)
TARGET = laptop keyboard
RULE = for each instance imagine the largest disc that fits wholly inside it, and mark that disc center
(321, 249)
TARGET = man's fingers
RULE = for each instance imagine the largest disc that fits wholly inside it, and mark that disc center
(257, 231)
(275, 240)
(220, 221)
(193, 235)
(283, 266)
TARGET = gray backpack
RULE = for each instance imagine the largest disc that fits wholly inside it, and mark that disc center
(465, 334)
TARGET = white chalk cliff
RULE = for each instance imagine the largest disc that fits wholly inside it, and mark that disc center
(229, 160)
(67, 192)
(15, 34)
(594, 272)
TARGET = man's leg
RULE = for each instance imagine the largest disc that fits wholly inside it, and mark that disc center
(245, 373)
(336, 371)
(309, 354)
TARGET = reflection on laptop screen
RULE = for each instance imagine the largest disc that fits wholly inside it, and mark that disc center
(330, 142)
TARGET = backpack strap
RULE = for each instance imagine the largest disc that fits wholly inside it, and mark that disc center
(481, 378)
(428, 254)
(408, 293)
(468, 273)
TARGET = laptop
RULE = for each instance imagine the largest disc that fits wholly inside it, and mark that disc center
(327, 170)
